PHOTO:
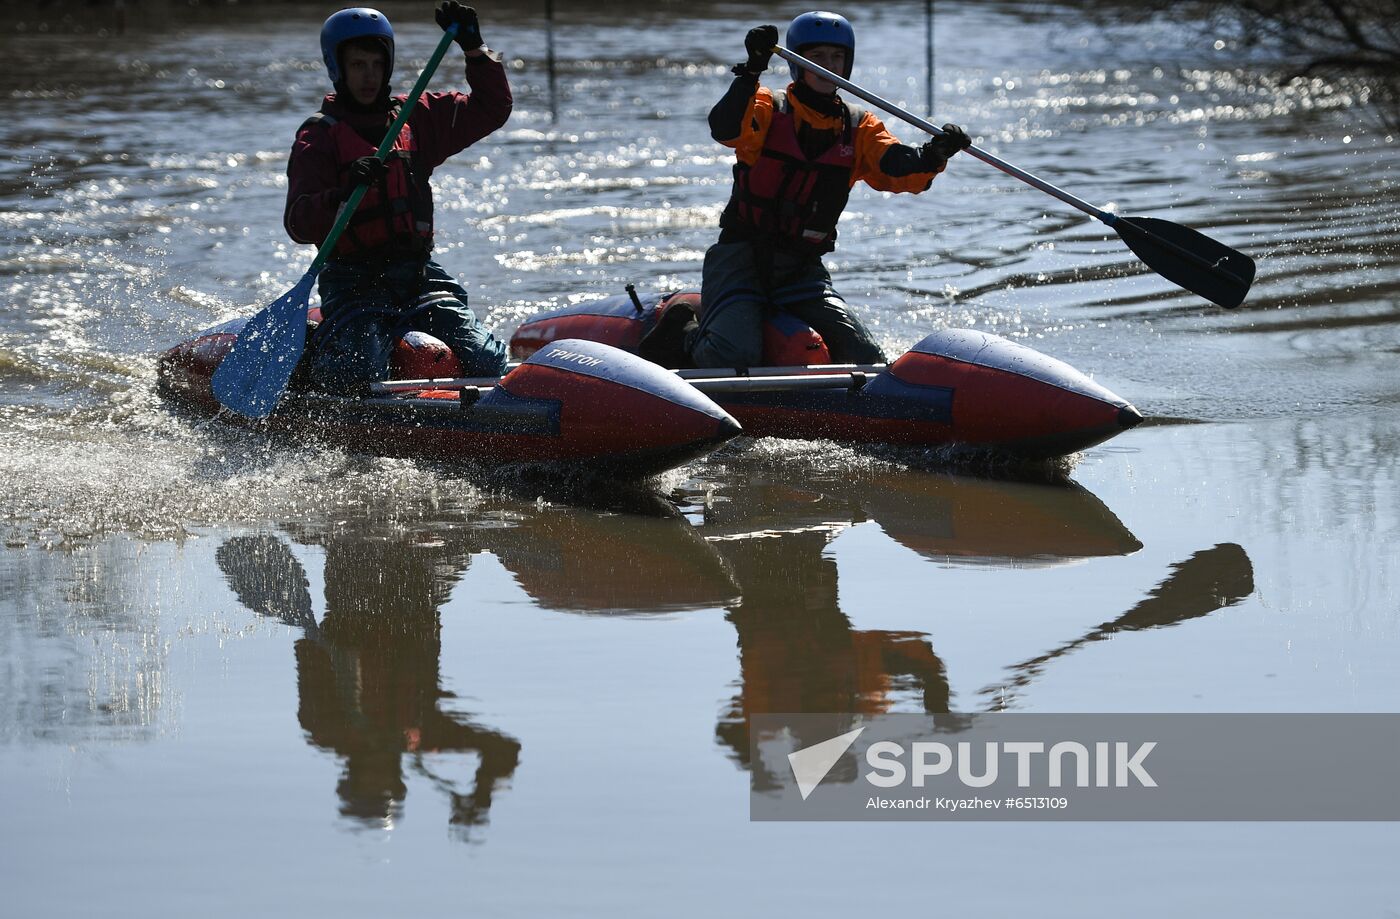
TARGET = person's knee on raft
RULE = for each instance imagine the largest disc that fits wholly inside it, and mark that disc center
(711, 350)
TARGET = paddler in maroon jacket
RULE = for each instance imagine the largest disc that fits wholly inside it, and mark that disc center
(799, 153)
(381, 280)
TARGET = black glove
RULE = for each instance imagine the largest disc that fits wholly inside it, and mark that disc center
(937, 151)
(759, 44)
(468, 28)
(367, 170)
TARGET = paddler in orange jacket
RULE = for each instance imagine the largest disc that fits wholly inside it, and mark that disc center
(799, 153)
(381, 281)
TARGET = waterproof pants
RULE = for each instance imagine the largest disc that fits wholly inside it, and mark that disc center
(741, 287)
(367, 306)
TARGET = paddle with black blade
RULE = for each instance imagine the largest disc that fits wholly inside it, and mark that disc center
(254, 374)
(1180, 254)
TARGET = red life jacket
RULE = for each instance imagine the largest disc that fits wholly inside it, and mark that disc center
(787, 198)
(396, 213)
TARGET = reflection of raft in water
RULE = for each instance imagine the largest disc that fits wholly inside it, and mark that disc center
(955, 386)
(977, 521)
(579, 403)
(952, 519)
(653, 560)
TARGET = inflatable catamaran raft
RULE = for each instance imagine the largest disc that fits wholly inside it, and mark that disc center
(592, 391)
(956, 386)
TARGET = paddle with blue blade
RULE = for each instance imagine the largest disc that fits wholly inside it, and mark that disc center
(1185, 257)
(254, 374)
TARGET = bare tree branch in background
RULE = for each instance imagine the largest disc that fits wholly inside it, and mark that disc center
(1354, 44)
(1328, 35)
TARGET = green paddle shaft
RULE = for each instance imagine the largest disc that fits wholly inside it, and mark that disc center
(351, 203)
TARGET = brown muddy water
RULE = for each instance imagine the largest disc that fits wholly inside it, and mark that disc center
(241, 677)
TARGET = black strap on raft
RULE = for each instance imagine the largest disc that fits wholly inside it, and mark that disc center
(636, 300)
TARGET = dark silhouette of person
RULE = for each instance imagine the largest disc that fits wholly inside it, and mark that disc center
(368, 675)
(798, 651)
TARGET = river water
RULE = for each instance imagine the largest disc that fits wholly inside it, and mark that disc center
(244, 677)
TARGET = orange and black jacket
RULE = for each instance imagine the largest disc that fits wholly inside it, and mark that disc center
(799, 153)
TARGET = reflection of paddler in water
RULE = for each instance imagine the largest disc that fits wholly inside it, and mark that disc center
(798, 651)
(368, 674)
(760, 553)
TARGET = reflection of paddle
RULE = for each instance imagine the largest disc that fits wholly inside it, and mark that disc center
(1211, 579)
(268, 579)
(254, 375)
(1181, 255)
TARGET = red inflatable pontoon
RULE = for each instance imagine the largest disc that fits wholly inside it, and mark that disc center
(953, 387)
(578, 403)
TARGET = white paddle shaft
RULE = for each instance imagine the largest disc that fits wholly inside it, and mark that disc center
(1108, 218)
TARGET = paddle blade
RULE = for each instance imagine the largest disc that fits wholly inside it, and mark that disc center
(1189, 259)
(254, 375)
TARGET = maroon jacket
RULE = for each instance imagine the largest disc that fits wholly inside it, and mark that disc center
(442, 123)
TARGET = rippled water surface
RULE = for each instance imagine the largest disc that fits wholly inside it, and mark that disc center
(239, 676)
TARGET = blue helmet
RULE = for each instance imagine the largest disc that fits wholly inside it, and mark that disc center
(360, 22)
(821, 28)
